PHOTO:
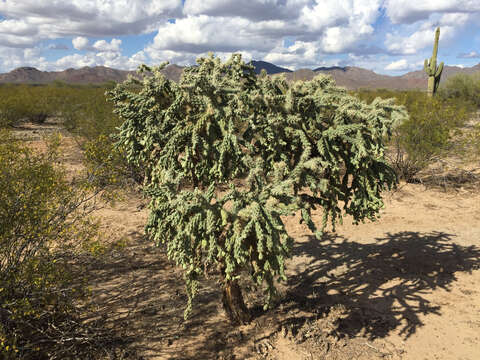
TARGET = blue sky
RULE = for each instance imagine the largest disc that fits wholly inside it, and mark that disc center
(386, 36)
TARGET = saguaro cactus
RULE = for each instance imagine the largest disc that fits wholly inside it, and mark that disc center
(434, 73)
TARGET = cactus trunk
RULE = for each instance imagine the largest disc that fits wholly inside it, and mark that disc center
(433, 71)
(233, 303)
(431, 85)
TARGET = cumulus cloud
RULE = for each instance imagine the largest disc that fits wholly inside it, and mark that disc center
(17, 27)
(299, 55)
(192, 36)
(322, 27)
(454, 19)
(58, 47)
(40, 20)
(470, 55)
(407, 11)
(379, 63)
(340, 25)
(101, 53)
(342, 39)
(17, 33)
(104, 46)
(108, 59)
(11, 58)
(398, 65)
(80, 43)
(357, 14)
(256, 10)
(318, 29)
(76, 61)
(424, 37)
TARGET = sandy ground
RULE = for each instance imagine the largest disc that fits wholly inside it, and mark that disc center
(405, 287)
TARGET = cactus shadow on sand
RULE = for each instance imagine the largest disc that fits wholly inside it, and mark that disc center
(383, 285)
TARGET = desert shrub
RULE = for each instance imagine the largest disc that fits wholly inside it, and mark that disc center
(88, 116)
(428, 133)
(220, 124)
(107, 164)
(462, 87)
(83, 108)
(84, 112)
(11, 110)
(94, 129)
(87, 113)
(27, 103)
(42, 217)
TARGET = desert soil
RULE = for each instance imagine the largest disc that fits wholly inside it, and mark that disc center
(405, 287)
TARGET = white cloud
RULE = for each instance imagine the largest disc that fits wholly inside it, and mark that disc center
(319, 29)
(104, 46)
(192, 36)
(454, 19)
(470, 55)
(420, 39)
(75, 61)
(80, 43)
(58, 47)
(138, 59)
(17, 27)
(340, 25)
(334, 13)
(108, 59)
(11, 58)
(408, 11)
(423, 33)
(299, 55)
(257, 10)
(379, 63)
(35, 20)
(324, 15)
(342, 39)
(398, 65)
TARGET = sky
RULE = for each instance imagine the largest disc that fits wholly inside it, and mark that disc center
(387, 36)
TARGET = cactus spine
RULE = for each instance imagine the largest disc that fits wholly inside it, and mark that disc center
(434, 73)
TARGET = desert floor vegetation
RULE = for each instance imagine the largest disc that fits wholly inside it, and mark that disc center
(91, 284)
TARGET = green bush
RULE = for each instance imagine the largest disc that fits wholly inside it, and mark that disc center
(83, 108)
(42, 216)
(89, 116)
(107, 164)
(462, 87)
(85, 113)
(27, 103)
(428, 133)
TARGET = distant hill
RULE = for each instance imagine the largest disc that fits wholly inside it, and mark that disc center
(447, 72)
(353, 77)
(85, 75)
(350, 77)
(269, 67)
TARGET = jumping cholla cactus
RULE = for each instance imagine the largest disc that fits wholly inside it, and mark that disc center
(226, 154)
(434, 73)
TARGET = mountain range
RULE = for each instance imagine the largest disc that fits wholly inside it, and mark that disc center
(350, 77)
